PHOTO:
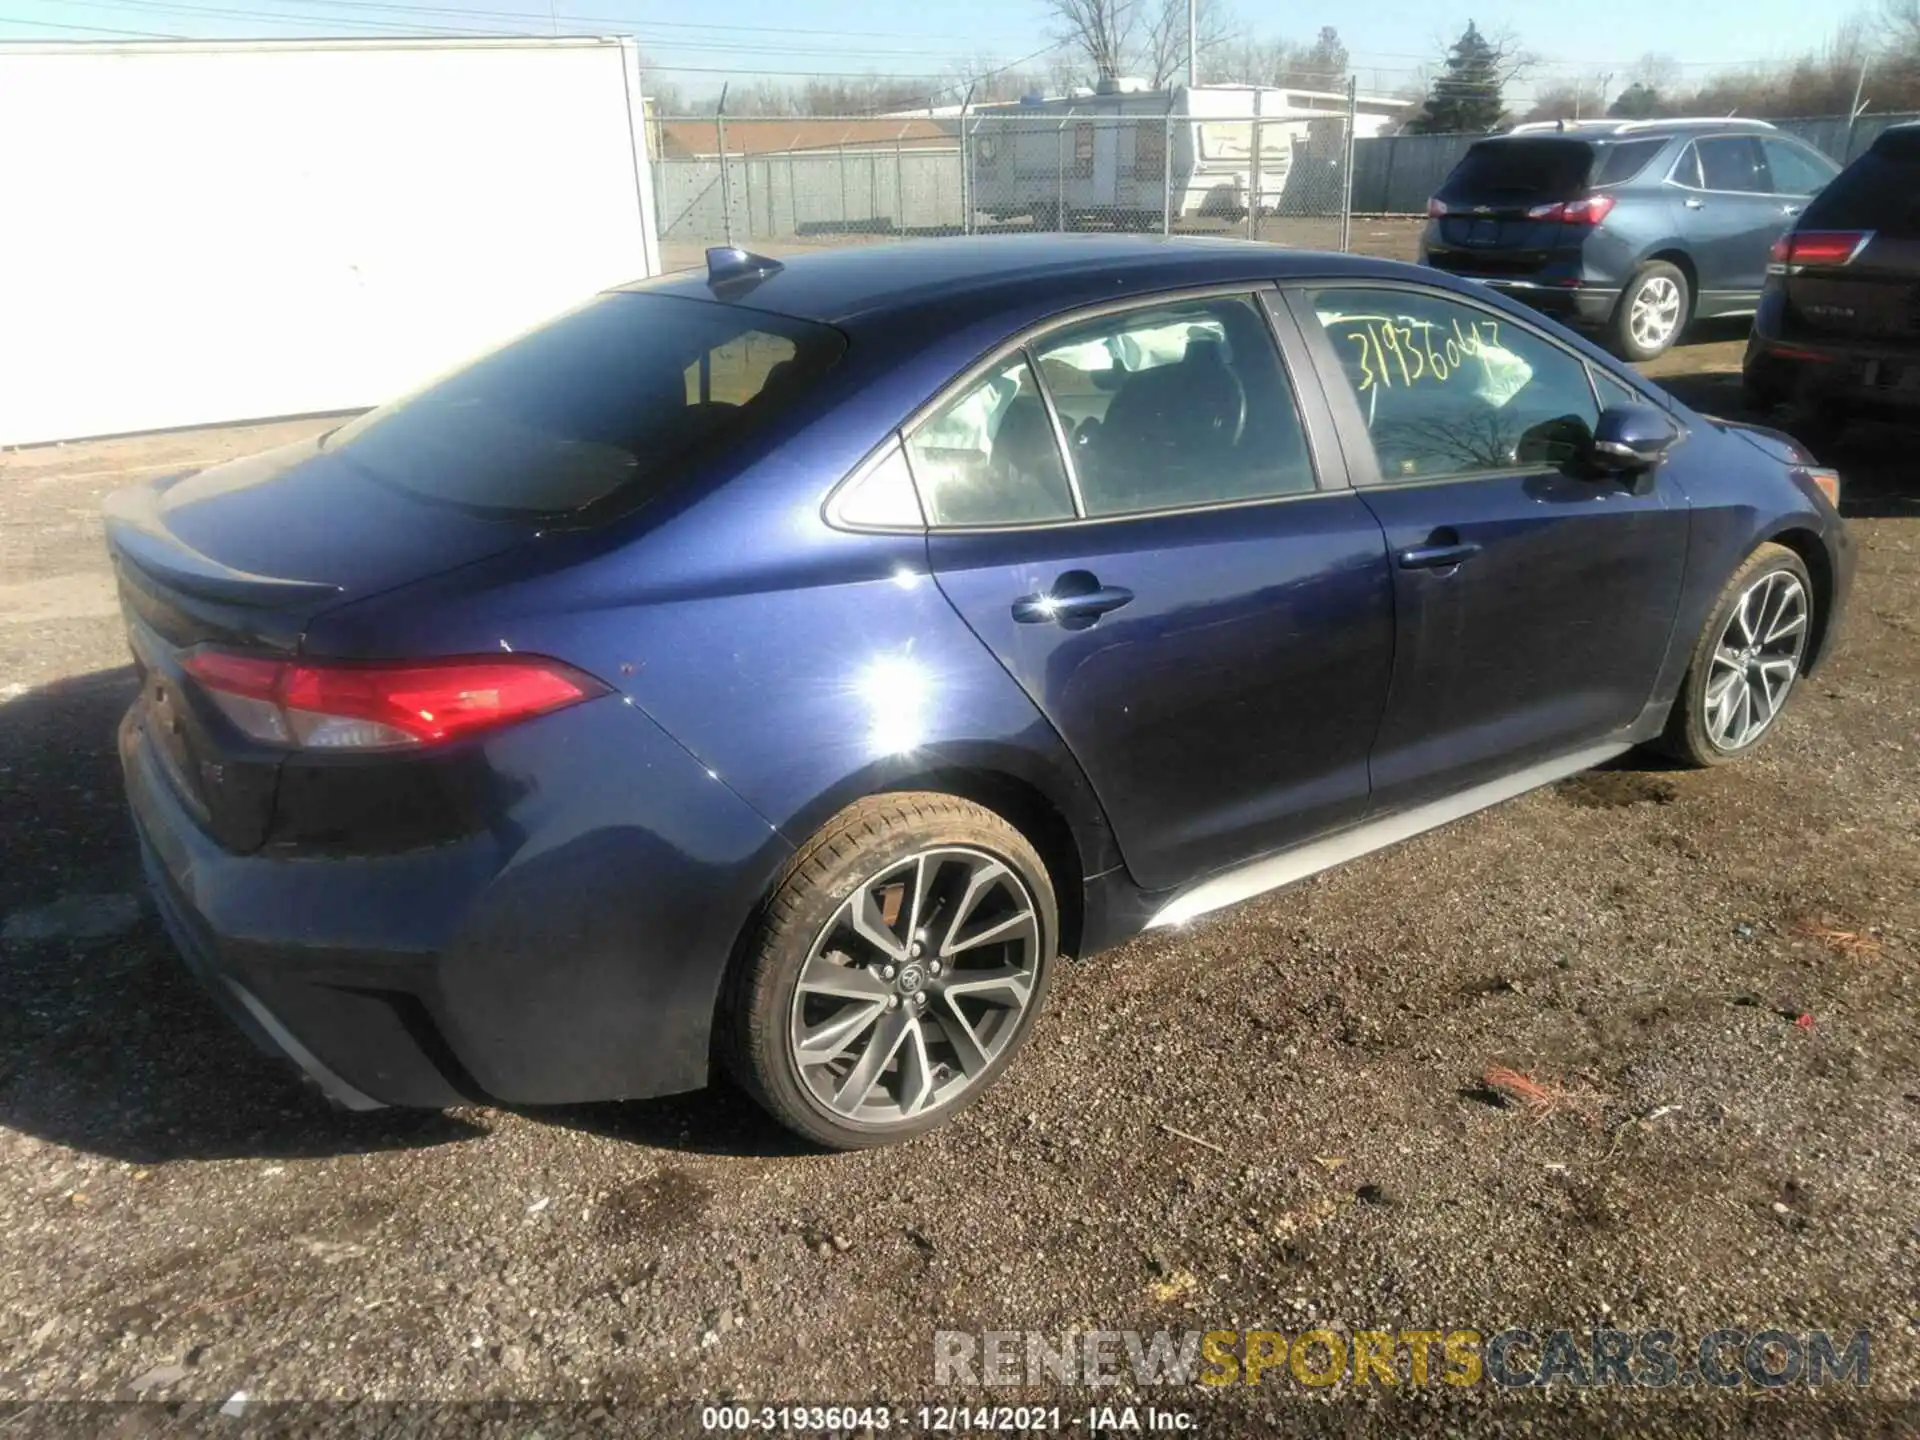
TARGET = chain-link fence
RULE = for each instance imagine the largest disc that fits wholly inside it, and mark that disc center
(1305, 169)
(1137, 163)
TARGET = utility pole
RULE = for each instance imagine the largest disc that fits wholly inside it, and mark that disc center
(1193, 49)
(1853, 115)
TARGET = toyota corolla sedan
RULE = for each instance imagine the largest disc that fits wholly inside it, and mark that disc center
(782, 665)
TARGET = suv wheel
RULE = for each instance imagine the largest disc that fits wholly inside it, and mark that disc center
(898, 968)
(1652, 312)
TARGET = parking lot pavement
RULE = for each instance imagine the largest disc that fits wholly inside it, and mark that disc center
(1711, 974)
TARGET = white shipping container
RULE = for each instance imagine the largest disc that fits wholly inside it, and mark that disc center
(197, 232)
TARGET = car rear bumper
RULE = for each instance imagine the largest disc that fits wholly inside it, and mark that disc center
(1588, 306)
(1870, 380)
(505, 967)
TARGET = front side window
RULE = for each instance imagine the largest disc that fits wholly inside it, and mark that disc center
(989, 456)
(1176, 405)
(1449, 389)
(1795, 169)
(1735, 163)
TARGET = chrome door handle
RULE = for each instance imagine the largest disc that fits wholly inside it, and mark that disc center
(1791, 209)
(1694, 204)
(1437, 557)
(1082, 605)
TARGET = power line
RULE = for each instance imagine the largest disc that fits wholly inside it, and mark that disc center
(298, 18)
(89, 29)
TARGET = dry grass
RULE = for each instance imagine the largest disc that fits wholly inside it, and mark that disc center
(1857, 943)
(1540, 1098)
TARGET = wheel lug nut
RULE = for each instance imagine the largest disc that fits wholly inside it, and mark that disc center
(893, 1002)
(887, 972)
(933, 967)
(916, 950)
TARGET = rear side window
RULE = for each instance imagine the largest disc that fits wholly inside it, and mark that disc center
(1549, 169)
(1173, 406)
(1621, 163)
(1879, 191)
(607, 403)
(989, 455)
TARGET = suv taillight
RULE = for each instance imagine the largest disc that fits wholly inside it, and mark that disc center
(1436, 207)
(1588, 210)
(329, 706)
(1799, 248)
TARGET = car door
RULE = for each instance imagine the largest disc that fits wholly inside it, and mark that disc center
(1148, 524)
(1730, 218)
(1533, 601)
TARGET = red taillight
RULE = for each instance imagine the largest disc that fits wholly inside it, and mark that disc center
(378, 707)
(1436, 208)
(1589, 210)
(1801, 248)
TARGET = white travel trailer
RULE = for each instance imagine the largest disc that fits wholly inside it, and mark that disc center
(1133, 155)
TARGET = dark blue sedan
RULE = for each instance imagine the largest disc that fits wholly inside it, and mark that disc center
(785, 664)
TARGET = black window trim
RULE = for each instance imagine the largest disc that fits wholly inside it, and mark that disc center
(1326, 473)
(1363, 468)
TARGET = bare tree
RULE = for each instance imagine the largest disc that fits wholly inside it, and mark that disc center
(1101, 31)
(1166, 44)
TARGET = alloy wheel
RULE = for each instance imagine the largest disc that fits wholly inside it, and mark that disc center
(916, 985)
(1655, 315)
(1756, 660)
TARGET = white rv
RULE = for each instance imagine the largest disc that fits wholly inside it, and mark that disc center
(1130, 155)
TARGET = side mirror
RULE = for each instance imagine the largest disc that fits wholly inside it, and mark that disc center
(1632, 438)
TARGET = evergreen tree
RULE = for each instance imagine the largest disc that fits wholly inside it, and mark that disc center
(1636, 102)
(1465, 98)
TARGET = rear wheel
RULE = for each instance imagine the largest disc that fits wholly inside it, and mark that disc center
(897, 971)
(1652, 312)
(1746, 661)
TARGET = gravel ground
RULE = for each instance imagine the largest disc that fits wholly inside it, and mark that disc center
(184, 1222)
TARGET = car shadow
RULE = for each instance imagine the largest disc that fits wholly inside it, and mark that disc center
(1874, 459)
(107, 1045)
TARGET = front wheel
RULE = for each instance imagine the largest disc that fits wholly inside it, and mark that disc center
(1652, 312)
(1746, 661)
(897, 970)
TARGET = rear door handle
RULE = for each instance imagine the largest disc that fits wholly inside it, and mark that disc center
(1083, 606)
(1792, 209)
(1437, 557)
(1693, 204)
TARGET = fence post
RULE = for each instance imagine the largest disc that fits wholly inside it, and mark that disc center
(1346, 164)
(1166, 172)
(966, 166)
(1387, 202)
(1253, 174)
(1060, 163)
(899, 188)
(841, 166)
(726, 167)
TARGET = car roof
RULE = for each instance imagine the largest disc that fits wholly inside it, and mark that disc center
(870, 283)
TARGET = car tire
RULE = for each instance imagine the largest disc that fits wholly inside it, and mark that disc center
(925, 1016)
(1652, 314)
(1754, 641)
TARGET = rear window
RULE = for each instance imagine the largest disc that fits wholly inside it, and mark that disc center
(608, 402)
(1620, 163)
(1550, 169)
(1879, 191)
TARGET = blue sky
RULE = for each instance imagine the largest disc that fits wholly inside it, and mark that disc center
(691, 45)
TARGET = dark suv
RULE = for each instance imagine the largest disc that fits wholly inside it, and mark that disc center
(1629, 227)
(1838, 330)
